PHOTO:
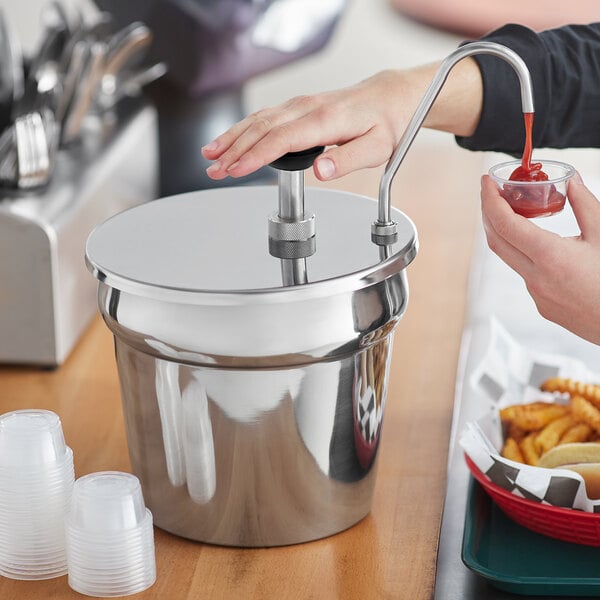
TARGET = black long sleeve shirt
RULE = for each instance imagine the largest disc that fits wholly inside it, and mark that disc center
(565, 69)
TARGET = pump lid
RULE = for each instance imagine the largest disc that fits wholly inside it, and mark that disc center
(183, 247)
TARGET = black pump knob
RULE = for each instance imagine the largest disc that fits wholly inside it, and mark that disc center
(298, 161)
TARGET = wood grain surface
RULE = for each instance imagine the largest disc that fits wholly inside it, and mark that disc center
(392, 552)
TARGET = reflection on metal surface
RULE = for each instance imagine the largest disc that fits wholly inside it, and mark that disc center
(258, 397)
(168, 397)
(198, 444)
(370, 392)
(263, 465)
(186, 432)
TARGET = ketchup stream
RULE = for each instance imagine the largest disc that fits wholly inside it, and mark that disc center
(528, 171)
(534, 201)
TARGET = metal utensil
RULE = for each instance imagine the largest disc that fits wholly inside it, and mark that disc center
(33, 156)
(70, 78)
(131, 85)
(123, 49)
(84, 94)
(75, 58)
(97, 30)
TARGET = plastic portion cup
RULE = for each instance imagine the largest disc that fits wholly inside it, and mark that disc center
(36, 481)
(31, 438)
(109, 501)
(534, 198)
(110, 536)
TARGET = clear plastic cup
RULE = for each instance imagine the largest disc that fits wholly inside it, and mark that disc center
(109, 501)
(110, 536)
(36, 481)
(31, 438)
(534, 198)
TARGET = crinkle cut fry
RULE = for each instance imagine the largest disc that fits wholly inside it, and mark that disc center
(589, 391)
(529, 450)
(512, 451)
(531, 417)
(585, 411)
(580, 432)
(550, 435)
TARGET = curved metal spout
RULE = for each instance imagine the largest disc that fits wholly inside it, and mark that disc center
(384, 227)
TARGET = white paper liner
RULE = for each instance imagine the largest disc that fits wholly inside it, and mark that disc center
(510, 374)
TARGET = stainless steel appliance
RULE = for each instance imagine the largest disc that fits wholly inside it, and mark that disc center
(46, 296)
(253, 346)
(253, 355)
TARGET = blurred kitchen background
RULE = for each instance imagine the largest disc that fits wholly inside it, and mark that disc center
(370, 35)
(228, 57)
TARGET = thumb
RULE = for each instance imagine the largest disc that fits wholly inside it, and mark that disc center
(371, 149)
(585, 207)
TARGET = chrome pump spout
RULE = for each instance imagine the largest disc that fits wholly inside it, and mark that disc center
(384, 229)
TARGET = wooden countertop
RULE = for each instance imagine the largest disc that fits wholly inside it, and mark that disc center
(392, 552)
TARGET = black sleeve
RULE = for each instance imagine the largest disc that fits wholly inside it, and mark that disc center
(565, 69)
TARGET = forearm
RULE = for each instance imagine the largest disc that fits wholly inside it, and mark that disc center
(458, 107)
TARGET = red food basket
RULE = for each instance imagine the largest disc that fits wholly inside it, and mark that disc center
(566, 524)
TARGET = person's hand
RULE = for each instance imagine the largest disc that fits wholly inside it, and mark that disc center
(561, 274)
(362, 123)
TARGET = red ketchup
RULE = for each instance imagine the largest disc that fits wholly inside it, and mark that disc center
(532, 201)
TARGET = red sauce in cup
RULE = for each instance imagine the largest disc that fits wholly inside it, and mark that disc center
(532, 201)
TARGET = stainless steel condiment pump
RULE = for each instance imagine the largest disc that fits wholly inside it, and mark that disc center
(254, 358)
(384, 228)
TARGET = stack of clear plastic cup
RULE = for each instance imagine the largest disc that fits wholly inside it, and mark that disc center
(110, 537)
(36, 482)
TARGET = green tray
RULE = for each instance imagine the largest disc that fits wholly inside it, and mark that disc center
(515, 559)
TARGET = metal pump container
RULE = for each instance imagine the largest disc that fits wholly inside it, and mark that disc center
(253, 350)
(253, 353)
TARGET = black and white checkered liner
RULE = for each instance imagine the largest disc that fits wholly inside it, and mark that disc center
(508, 374)
(557, 487)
